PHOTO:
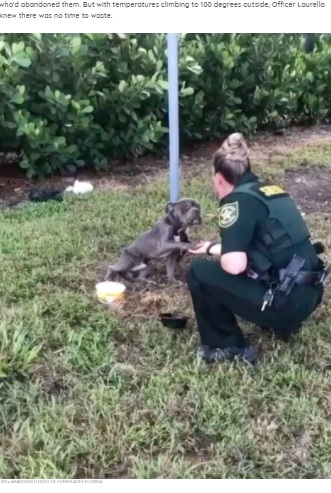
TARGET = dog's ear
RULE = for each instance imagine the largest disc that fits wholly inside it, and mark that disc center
(169, 207)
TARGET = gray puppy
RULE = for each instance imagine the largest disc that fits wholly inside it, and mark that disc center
(166, 239)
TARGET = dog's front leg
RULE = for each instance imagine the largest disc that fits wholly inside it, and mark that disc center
(169, 247)
(171, 266)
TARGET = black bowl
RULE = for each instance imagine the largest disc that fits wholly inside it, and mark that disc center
(173, 321)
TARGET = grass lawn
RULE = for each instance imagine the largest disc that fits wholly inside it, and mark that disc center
(87, 392)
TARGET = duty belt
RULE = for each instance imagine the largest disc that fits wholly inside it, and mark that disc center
(307, 277)
(291, 276)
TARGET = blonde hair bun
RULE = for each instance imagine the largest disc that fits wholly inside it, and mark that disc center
(235, 147)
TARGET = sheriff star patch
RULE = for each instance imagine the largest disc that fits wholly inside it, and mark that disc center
(229, 214)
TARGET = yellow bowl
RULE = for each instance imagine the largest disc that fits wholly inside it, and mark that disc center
(108, 291)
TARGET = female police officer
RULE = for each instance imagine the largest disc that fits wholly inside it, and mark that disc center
(267, 271)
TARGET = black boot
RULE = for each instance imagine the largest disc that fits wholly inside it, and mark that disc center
(247, 354)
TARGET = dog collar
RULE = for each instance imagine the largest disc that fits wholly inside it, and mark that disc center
(175, 223)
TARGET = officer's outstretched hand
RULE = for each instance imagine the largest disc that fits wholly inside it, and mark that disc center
(201, 248)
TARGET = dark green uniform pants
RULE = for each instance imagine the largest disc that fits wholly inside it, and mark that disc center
(218, 296)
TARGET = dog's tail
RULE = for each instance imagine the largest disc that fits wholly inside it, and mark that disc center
(319, 247)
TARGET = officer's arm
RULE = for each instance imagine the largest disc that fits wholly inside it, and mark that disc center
(234, 262)
(237, 225)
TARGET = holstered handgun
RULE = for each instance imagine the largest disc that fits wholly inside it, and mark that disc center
(287, 280)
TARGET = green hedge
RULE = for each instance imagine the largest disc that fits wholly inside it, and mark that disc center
(74, 100)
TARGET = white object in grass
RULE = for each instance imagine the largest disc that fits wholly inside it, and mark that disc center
(80, 187)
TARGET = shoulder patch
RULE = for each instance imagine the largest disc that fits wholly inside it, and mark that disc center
(272, 190)
(228, 214)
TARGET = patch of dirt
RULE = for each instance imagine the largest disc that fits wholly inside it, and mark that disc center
(147, 302)
(301, 450)
(148, 299)
(266, 426)
(15, 189)
(310, 188)
(120, 471)
(117, 471)
(264, 145)
(199, 446)
(50, 382)
(14, 186)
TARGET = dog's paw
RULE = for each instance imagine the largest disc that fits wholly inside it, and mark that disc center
(173, 281)
(194, 245)
(145, 281)
(187, 247)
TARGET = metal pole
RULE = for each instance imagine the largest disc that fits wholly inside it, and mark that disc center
(173, 104)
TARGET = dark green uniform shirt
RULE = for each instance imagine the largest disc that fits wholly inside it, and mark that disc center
(241, 217)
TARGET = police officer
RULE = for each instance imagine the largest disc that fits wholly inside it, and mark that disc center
(266, 270)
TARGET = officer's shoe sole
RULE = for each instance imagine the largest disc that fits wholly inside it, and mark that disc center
(209, 355)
